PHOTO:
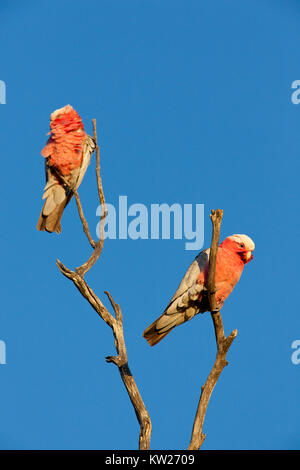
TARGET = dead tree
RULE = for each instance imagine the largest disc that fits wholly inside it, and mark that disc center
(115, 321)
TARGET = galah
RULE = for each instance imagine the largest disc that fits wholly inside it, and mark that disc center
(67, 153)
(190, 298)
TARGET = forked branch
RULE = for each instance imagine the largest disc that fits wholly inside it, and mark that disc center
(223, 343)
(115, 322)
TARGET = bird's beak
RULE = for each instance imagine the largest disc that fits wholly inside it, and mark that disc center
(248, 256)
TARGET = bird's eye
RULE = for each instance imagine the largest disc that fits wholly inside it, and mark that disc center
(242, 245)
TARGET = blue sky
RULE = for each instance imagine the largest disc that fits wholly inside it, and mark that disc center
(193, 105)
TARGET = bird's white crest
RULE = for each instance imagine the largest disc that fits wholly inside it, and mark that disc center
(239, 238)
(59, 111)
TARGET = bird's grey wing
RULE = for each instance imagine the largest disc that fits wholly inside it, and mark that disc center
(77, 175)
(54, 193)
(189, 290)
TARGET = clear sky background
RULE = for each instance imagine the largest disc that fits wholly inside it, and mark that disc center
(193, 105)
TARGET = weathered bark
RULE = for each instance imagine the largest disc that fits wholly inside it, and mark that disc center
(223, 343)
(114, 322)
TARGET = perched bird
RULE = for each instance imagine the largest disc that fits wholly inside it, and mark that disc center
(67, 153)
(190, 299)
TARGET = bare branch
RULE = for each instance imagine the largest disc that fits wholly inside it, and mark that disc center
(84, 268)
(121, 362)
(223, 343)
(65, 184)
(88, 293)
(116, 307)
(114, 322)
(99, 181)
(216, 218)
(83, 220)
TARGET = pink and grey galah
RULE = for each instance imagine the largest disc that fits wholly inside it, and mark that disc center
(67, 153)
(190, 299)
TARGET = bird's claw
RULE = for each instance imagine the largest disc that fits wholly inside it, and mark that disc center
(216, 310)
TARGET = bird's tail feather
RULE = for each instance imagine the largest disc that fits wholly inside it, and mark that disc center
(162, 326)
(51, 223)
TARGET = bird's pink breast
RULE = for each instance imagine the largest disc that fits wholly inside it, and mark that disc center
(229, 268)
(64, 147)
